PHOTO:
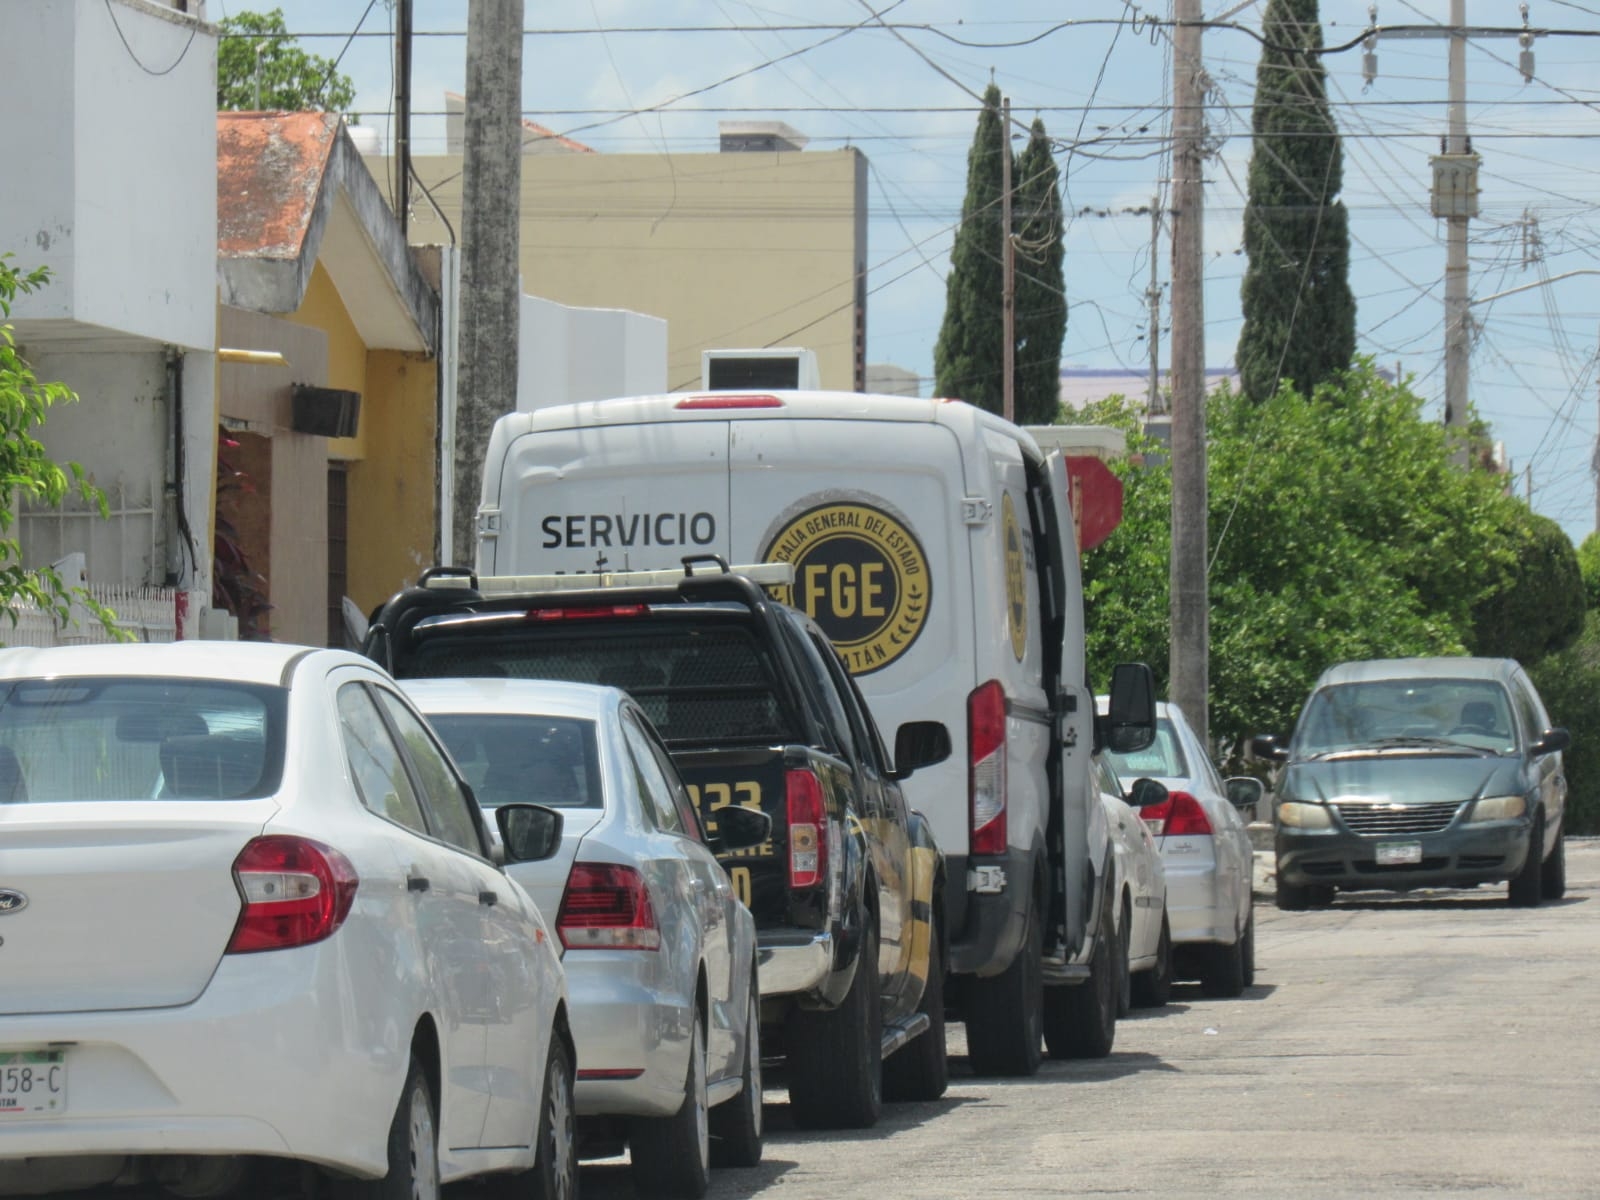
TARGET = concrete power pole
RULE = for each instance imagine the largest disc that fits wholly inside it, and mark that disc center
(1191, 616)
(1008, 268)
(1455, 199)
(1154, 404)
(491, 198)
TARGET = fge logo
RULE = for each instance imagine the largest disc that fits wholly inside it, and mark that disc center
(861, 575)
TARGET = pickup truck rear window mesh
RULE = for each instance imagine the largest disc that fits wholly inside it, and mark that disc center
(696, 685)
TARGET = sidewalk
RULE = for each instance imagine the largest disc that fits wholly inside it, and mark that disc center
(1265, 884)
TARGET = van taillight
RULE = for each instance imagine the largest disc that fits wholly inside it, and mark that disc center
(808, 824)
(1179, 813)
(296, 892)
(986, 768)
(729, 400)
(606, 906)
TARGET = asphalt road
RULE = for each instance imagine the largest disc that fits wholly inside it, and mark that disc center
(1434, 1045)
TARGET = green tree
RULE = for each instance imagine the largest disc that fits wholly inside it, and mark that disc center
(1041, 301)
(1299, 313)
(260, 67)
(1537, 605)
(1589, 567)
(27, 472)
(967, 356)
(1569, 684)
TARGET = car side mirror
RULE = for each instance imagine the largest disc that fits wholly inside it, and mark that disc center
(919, 744)
(1245, 793)
(529, 832)
(1129, 723)
(1146, 792)
(1551, 741)
(1265, 745)
(739, 828)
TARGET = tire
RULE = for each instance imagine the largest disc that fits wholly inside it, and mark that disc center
(1293, 897)
(1526, 887)
(1081, 1021)
(1153, 988)
(413, 1146)
(736, 1123)
(1125, 975)
(836, 1057)
(1248, 964)
(1553, 876)
(921, 1071)
(1222, 969)
(672, 1155)
(555, 1169)
(1005, 1013)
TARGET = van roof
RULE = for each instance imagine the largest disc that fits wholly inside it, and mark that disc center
(1373, 670)
(764, 405)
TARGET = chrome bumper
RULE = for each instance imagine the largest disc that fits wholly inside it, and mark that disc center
(794, 962)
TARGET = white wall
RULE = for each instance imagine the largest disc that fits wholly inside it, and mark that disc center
(570, 355)
(111, 176)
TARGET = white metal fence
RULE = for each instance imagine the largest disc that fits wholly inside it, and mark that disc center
(149, 614)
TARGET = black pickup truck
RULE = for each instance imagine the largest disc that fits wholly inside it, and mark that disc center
(756, 709)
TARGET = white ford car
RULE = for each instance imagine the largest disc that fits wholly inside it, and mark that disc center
(249, 921)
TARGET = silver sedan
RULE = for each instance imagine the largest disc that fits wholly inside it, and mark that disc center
(660, 955)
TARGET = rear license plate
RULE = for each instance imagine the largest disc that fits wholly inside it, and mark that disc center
(1396, 854)
(32, 1081)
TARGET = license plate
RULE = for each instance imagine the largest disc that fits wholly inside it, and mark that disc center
(1395, 854)
(32, 1081)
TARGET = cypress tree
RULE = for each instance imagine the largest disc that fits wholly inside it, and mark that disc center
(1041, 313)
(1299, 313)
(967, 356)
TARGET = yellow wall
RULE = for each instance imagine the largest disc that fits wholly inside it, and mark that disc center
(394, 488)
(323, 308)
(739, 249)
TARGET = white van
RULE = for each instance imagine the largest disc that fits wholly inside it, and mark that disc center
(932, 541)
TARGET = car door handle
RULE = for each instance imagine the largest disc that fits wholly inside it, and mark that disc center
(417, 883)
(488, 899)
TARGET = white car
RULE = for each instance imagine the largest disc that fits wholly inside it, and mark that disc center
(1143, 930)
(1205, 845)
(249, 921)
(660, 953)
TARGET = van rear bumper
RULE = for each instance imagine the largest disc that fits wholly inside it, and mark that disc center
(990, 929)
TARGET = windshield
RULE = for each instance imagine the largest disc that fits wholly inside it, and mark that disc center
(1470, 713)
(1163, 758)
(98, 739)
(525, 759)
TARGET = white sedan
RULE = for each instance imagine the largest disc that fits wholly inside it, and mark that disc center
(660, 953)
(1206, 847)
(1141, 918)
(249, 921)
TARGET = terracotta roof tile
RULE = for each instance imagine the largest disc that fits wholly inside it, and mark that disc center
(270, 167)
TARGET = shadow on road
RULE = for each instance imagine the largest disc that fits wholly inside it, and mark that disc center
(1191, 991)
(1406, 902)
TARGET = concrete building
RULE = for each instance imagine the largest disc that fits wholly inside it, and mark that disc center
(111, 153)
(737, 249)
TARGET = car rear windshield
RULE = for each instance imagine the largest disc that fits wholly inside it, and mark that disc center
(1352, 716)
(1163, 758)
(699, 683)
(521, 758)
(98, 739)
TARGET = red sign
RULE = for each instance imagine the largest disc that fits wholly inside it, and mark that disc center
(1095, 495)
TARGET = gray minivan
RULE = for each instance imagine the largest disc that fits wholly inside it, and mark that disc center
(1416, 773)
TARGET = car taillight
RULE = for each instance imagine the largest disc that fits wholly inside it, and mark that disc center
(296, 891)
(1179, 813)
(808, 823)
(597, 612)
(986, 768)
(607, 907)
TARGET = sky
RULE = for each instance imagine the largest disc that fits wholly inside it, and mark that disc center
(1099, 79)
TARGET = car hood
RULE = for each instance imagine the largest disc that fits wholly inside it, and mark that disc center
(1425, 780)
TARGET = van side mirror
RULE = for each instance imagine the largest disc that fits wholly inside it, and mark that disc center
(1129, 722)
(739, 828)
(1245, 793)
(1551, 741)
(529, 832)
(1265, 745)
(919, 744)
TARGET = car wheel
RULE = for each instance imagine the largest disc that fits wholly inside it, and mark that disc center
(1553, 878)
(921, 1071)
(736, 1123)
(1222, 969)
(1081, 1021)
(1248, 963)
(1005, 1013)
(672, 1155)
(555, 1167)
(413, 1146)
(836, 1057)
(1125, 976)
(1526, 886)
(1153, 988)
(1293, 897)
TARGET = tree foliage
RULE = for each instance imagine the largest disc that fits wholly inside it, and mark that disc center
(967, 356)
(1299, 313)
(1537, 602)
(1041, 301)
(261, 68)
(1569, 684)
(1589, 567)
(27, 472)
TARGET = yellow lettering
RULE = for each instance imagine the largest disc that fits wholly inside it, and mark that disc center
(844, 592)
(740, 878)
(872, 590)
(815, 589)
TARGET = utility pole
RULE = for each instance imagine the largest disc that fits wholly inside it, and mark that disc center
(1455, 198)
(1190, 651)
(491, 198)
(1152, 294)
(402, 105)
(1008, 268)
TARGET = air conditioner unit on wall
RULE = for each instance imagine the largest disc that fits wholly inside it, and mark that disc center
(326, 412)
